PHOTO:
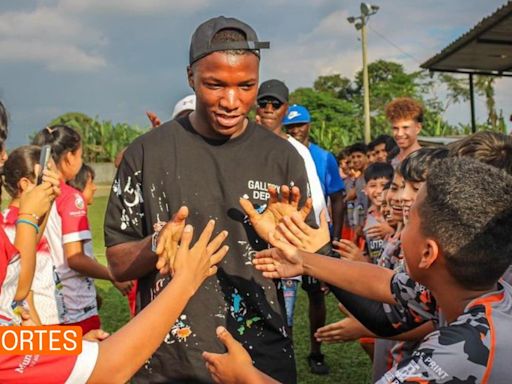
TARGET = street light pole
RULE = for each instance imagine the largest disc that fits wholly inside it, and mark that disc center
(367, 10)
(367, 130)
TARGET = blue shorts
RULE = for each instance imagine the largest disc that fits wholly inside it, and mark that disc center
(290, 297)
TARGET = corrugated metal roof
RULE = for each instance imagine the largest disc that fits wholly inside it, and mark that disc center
(426, 141)
(486, 48)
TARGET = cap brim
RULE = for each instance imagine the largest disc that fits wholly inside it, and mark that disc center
(297, 121)
(274, 95)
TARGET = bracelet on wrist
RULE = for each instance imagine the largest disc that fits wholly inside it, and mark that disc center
(36, 217)
(28, 222)
(154, 241)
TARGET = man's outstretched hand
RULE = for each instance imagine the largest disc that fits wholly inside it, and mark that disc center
(277, 208)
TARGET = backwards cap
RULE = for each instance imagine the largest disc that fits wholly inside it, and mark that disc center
(201, 43)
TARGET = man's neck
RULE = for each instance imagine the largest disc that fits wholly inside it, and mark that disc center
(407, 151)
(279, 132)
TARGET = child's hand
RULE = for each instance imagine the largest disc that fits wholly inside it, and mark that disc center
(348, 250)
(280, 262)
(96, 335)
(379, 231)
(230, 367)
(301, 235)
(39, 200)
(168, 240)
(26, 319)
(154, 119)
(348, 329)
(124, 287)
(199, 262)
(267, 221)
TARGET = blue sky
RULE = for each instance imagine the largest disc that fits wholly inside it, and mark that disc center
(118, 58)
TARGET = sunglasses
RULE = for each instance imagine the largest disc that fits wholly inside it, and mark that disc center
(276, 104)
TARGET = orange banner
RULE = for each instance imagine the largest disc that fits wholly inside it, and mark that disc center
(47, 340)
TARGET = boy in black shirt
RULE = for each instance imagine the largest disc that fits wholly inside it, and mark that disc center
(207, 162)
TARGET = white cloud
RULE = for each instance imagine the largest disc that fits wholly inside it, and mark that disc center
(135, 7)
(46, 23)
(54, 56)
(52, 38)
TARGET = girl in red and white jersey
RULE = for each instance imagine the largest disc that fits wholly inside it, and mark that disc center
(20, 178)
(69, 235)
(98, 362)
(17, 258)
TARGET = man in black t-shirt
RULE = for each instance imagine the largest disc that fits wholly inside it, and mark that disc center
(207, 161)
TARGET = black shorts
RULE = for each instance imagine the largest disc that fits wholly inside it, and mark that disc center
(311, 285)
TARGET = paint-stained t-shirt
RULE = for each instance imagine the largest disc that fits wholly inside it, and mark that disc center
(173, 166)
(475, 348)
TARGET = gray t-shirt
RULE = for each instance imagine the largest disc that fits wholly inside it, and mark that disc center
(475, 348)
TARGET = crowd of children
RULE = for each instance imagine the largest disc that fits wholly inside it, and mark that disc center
(421, 268)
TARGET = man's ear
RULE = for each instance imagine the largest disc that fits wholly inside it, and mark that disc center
(429, 254)
(419, 126)
(190, 77)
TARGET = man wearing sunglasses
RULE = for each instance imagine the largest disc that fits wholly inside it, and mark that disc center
(272, 106)
(297, 124)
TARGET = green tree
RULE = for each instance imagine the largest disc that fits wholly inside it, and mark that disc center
(335, 122)
(336, 85)
(335, 103)
(458, 91)
(102, 140)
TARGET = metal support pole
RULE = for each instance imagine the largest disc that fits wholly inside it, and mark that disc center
(367, 133)
(472, 102)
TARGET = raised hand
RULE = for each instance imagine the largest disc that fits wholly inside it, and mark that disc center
(295, 231)
(282, 261)
(168, 240)
(230, 367)
(348, 250)
(154, 119)
(379, 231)
(199, 262)
(276, 209)
(38, 201)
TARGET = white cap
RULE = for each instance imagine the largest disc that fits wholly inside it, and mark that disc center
(188, 103)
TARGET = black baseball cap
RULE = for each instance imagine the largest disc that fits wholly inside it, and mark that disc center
(201, 43)
(273, 88)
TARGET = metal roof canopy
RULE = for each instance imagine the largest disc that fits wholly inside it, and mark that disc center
(485, 50)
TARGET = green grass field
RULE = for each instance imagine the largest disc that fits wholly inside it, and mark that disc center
(348, 362)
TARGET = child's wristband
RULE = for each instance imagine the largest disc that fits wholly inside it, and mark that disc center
(36, 218)
(28, 222)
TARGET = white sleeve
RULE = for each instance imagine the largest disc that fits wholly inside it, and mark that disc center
(317, 194)
(84, 364)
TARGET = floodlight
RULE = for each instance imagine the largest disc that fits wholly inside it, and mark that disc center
(375, 8)
(351, 19)
(365, 9)
(359, 25)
